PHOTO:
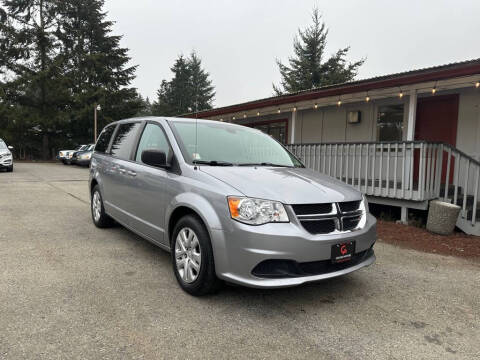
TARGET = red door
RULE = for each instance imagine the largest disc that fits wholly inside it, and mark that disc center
(437, 118)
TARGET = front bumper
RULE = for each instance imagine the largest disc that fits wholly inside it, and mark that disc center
(6, 163)
(239, 248)
(83, 162)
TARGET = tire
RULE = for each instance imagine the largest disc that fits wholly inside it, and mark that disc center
(99, 217)
(200, 280)
(10, 168)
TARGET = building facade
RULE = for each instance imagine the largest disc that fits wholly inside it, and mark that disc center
(396, 137)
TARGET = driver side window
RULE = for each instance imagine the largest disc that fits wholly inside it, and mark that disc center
(153, 138)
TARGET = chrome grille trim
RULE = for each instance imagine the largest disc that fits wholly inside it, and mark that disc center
(335, 215)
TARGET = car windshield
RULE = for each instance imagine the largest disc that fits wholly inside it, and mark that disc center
(3, 146)
(220, 144)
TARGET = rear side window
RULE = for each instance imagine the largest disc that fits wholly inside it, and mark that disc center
(124, 140)
(104, 139)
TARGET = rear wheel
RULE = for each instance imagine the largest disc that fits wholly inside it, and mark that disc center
(192, 257)
(99, 217)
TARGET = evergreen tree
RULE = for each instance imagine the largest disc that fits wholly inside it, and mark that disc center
(202, 89)
(97, 68)
(307, 69)
(31, 66)
(190, 88)
(57, 60)
(145, 107)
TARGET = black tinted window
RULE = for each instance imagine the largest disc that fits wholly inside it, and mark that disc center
(104, 139)
(124, 140)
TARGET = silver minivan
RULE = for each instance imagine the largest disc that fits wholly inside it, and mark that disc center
(229, 202)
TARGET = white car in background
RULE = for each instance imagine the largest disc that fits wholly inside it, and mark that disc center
(6, 157)
(65, 156)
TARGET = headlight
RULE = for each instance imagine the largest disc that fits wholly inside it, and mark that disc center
(364, 208)
(256, 211)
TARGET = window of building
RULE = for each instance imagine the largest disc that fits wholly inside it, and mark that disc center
(390, 123)
(124, 140)
(276, 129)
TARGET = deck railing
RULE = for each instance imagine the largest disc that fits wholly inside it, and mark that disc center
(407, 170)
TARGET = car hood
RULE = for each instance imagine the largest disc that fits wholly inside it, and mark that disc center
(287, 185)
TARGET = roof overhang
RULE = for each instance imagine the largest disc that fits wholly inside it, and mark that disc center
(443, 77)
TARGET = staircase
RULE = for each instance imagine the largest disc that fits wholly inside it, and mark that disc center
(406, 173)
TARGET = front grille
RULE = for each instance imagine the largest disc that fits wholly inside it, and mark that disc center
(288, 268)
(350, 223)
(320, 227)
(349, 206)
(327, 218)
(308, 209)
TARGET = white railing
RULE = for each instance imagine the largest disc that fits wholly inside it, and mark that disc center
(407, 170)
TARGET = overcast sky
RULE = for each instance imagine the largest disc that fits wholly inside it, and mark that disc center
(239, 40)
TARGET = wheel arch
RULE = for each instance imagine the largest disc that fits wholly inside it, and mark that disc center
(193, 204)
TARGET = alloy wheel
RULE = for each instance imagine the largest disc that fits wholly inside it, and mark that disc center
(96, 206)
(188, 255)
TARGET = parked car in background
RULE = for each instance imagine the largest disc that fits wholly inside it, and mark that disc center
(229, 202)
(83, 157)
(65, 156)
(6, 157)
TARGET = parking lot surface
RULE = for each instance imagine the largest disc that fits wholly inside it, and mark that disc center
(71, 291)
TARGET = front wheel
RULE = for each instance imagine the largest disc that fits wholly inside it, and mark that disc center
(10, 169)
(192, 257)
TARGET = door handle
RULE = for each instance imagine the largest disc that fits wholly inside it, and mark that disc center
(132, 173)
(122, 171)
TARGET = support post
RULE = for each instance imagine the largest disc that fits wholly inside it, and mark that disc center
(95, 124)
(412, 115)
(292, 135)
(404, 215)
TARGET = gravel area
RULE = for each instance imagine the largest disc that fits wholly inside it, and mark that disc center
(458, 244)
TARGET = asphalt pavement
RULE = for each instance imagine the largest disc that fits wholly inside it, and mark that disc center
(71, 291)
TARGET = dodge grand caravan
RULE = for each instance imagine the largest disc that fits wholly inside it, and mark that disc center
(230, 204)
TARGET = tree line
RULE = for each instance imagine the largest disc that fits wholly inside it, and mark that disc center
(59, 59)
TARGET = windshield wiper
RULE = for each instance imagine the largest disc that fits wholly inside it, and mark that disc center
(212, 162)
(264, 164)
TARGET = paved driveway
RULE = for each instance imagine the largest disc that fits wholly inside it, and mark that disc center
(71, 291)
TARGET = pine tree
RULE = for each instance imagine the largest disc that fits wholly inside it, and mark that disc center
(307, 69)
(57, 60)
(202, 89)
(97, 68)
(32, 66)
(190, 89)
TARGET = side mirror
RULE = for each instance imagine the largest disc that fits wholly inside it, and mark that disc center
(155, 158)
(10, 147)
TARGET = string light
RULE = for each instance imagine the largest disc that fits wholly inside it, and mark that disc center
(367, 98)
(221, 119)
(315, 106)
(258, 113)
(294, 109)
(233, 118)
(278, 111)
(244, 116)
(400, 95)
(434, 90)
(339, 102)
(477, 84)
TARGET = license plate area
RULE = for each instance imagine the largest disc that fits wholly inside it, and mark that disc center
(343, 252)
